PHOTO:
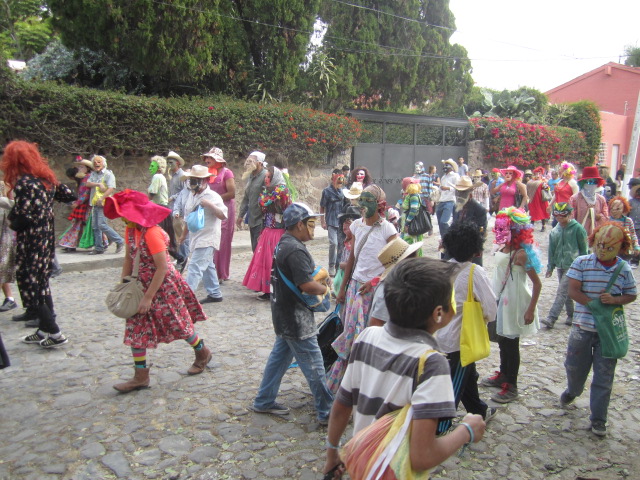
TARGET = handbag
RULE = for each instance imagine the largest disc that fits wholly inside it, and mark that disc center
(474, 337)
(87, 240)
(330, 329)
(97, 196)
(124, 299)
(435, 195)
(518, 199)
(421, 223)
(545, 193)
(610, 323)
(195, 220)
(381, 450)
(315, 303)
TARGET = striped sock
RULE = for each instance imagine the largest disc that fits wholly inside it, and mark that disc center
(139, 357)
(195, 341)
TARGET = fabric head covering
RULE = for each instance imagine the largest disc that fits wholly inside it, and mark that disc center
(135, 207)
(379, 194)
(278, 178)
(260, 156)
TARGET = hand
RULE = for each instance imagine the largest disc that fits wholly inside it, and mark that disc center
(324, 224)
(145, 305)
(366, 288)
(607, 299)
(333, 464)
(476, 422)
(548, 274)
(239, 222)
(341, 297)
(102, 187)
(528, 316)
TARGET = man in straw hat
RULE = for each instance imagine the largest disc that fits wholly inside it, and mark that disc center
(480, 191)
(293, 322)
(205, 241)
(590, 208)
(175, 164)
(444, 210)
(469, 211)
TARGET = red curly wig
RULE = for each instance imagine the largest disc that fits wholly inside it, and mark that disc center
(626, 208)
(23, 158)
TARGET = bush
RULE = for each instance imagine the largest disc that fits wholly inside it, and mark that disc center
(73, 120)
(514, 142)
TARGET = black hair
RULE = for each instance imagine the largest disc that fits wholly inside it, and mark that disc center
(463, 241)
(71, 172)
(336, 170)
(345, 168)
(415, 287)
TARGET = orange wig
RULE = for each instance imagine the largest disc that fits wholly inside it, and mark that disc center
(23, 158)
(626, 208)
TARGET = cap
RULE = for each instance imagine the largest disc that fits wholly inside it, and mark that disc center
(297, 212)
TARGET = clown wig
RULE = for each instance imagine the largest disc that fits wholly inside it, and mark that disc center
(567, 168)
(23, 158)
(521, 234)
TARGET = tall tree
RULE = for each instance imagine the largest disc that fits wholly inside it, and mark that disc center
(25, 28)
(633, 56)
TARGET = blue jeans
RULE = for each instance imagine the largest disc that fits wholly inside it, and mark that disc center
(201, 266)
(444, 210)
(562, 298)
(307, 354)
(583, 351)
(100, 226)
(335, 247)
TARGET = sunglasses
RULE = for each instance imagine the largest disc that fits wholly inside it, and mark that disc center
(591, 181)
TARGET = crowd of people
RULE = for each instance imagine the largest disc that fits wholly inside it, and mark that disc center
(401, 306)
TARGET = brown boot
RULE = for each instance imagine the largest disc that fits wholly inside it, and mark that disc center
(140, 380)
(203, 357)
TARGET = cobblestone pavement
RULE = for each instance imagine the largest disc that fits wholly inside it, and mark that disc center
(61, 419)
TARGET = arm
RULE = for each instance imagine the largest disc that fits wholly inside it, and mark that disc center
(550, 255)
(127, 266)
(338, 420)
(313, 288)
(218, 211)
(582, 241)
(414, 207)
(604, 210)
(575, 292)
(522, 188)
(496, 189)
(230, 183)
(574, 186)
(347, 275)
(521, 259)
(160, 261)
(244, 206)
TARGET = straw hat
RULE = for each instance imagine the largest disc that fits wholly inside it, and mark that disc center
(395, 251)
(478, 173)
(198, 171)
(216, 154)
(354, 192)
(452, 164)
(464, 183)
(86, 163)
(177, 157)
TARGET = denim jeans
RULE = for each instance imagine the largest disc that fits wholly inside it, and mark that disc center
(201, 266)
(444, 210)
(335, 247)
(583, 351)
(562, 298)
(100, 226)
(307, 354)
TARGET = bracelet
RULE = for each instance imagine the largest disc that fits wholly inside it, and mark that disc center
(330, 445)
(472, 437)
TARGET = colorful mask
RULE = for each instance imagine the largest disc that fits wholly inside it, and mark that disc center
(311, 227)
(368, 204)
(337, 179)
(617, 209)
(462, 197)
(360, 176)
(502, 230)
(607, 242)
(194, 184)
(153, 167)
(418, 168)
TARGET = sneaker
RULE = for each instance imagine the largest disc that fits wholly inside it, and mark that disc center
(275, 409)
(119, 247)
(36, 337)
(68, 250)
(566, 399)
(96, 252)
(547, 323)
(491, 412)
(51, 342)
(210, 299)
(494, 381)
(265, 296)
(508, 394)
(8, 305)
(568, 322)
(323, 422)
(599, 429)
(26, 315)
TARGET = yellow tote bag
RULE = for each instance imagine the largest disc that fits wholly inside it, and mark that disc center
(474, 337)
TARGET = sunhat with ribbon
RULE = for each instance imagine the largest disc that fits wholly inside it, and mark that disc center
(216, 154)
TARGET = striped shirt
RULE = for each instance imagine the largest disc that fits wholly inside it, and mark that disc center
(594, 277)
(380, 377)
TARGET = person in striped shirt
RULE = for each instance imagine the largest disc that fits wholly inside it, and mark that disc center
(383, 365)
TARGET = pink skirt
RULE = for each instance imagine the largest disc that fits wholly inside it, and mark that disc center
(258, 276)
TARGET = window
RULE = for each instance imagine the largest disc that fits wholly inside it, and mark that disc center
(602, 153)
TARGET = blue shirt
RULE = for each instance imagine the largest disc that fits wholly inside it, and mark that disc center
(332, 201)
(594, 277)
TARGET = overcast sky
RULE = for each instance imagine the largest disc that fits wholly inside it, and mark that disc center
(545, 43)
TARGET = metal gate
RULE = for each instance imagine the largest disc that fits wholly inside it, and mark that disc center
(392, 143)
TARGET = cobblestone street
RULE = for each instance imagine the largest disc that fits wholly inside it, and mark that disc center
(61, 419)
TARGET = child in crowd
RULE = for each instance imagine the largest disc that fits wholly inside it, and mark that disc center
(345, 219)
(517, 303)
(384, 365)
(619, 209)
(567, 241)
(463, 242)
(587, 277)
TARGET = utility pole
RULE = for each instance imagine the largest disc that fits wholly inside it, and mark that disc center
(633, 150)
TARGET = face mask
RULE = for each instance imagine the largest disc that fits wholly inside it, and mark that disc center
(446, 169)
(194, 184)
(368, 204)
(607, 243)
(419, 168)
(590, 190)
(461, 199)
(616, 209)
(502, 231)
(360, 176)
(153, 168)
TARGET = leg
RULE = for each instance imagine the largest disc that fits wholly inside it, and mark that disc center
(445, 216)
(98, 245)
(111, 234)
(277, 365)
(309, 358)
(333, 247)
(562, 294)
(604, 370)
(255, 236)
(579, 359)
(511, 348)
(197, 265)
(341, 237)
(140, 378)
(203, 354)
(210, 276)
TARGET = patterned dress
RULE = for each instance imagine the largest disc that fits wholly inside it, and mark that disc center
(7, 241)
(174, 308)
(78, 218)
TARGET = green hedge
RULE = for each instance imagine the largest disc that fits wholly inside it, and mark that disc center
(71, 120)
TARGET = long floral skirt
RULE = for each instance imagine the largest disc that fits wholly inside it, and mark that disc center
(71, 238)
(355, 319)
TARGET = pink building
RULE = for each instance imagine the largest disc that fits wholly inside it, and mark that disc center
(614, 88)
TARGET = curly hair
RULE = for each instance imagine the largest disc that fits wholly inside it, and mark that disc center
(463, 241)
(23, 158)
(626, 238)
(626, 208)
(367, 176)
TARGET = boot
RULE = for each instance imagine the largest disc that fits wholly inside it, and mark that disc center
(139, 381)
(29, 314)
(203, 357)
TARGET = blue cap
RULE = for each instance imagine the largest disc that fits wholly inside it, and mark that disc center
(297, 212)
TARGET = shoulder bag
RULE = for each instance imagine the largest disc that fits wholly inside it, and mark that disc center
(195, 220)
(474, 337)
(124, 299)
(545, 193)
(315, 303)
(330, 329)
(610, 323)
(381, 450)
(421, 223)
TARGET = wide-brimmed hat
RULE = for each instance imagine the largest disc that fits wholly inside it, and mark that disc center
(591, 173)
(528, 172)
(451, 163)
(85, 162)
(298, 212)
(477, 173)
(216, 154)
(354, 191)
(511, 169)
(198, 171)
(395, 251)
(135, 207)
(350, 212)
(464, 183)
(175, 156)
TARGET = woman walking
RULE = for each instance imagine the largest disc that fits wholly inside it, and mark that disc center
(169, 308)
(513, 192)
(80, 216)
(35, 187)
(7, 252)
